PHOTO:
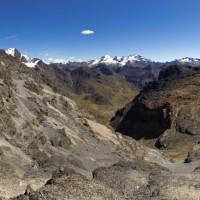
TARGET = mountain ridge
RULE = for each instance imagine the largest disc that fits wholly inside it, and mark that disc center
(120, 61)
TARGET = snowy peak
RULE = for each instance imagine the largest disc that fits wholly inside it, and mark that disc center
(28, 61)
(140, 61)
(188, 60)
(120, 60)
(13, 52)
(107, 59)
(193, 62)
(137, 58)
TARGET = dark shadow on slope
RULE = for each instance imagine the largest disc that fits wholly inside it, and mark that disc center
(142, 122)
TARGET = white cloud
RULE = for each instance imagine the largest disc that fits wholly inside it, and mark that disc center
(72, 57)
(87, 32)
(50, 59)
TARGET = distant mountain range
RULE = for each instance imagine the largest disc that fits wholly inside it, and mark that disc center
(121, 61)
(135, 69)
(117, 61)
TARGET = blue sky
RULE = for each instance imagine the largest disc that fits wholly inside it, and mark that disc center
(157, 29)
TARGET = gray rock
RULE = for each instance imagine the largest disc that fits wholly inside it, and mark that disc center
(194, 155)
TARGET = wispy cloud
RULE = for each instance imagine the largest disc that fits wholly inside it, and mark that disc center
(9, 37)
(87, 32)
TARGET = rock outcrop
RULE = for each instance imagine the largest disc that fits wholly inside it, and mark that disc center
(194, 155)
(166, 110)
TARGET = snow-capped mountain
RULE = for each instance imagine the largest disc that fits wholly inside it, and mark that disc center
(13, 52)
(193, 62)
(121, 61)
(107, 60)
(140, 61)
(28, 61)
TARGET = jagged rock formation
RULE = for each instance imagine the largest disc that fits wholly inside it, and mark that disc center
(166, 110)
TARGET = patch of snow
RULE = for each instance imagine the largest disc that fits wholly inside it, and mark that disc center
(188, 60)
(31, 64)
(93, 63)
(183, 60)
(120, 60)
(107, 59)
(11, 51)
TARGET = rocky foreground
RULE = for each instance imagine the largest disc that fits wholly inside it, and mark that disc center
(48, 150)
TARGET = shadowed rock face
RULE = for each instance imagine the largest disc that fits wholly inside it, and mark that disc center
(142, 122)
(172, 103)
